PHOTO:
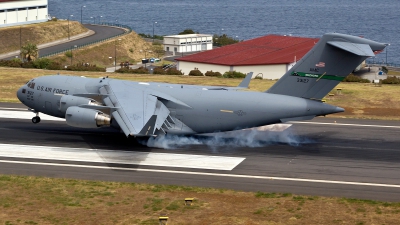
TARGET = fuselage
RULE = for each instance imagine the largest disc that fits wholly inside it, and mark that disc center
(211, 109)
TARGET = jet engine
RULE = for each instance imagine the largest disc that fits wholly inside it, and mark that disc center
(86, 118)
(67, 101)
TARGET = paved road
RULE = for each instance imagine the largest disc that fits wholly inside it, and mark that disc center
(334, 157)
(101, 32)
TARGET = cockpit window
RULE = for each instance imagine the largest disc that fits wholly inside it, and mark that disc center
(31, 85)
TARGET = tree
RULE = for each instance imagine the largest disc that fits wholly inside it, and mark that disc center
(188, 31)
(29, 52)
(158, 49)
(221, 40)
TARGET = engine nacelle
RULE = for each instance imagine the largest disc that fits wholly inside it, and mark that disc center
(86, 118)
(67, 101)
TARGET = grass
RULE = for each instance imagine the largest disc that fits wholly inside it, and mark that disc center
(359, 100)
(37, 33)
(37, 200)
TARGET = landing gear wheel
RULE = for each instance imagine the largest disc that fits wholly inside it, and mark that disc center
(35, 119)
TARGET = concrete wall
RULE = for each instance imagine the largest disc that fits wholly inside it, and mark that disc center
(265, 71)
(13, 13)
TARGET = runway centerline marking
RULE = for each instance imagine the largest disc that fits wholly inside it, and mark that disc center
(120, 157)
(345, 124)
(207, 174)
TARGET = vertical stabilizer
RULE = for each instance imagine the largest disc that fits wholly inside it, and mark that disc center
(333, 58)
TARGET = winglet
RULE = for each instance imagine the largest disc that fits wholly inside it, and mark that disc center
(246, 81)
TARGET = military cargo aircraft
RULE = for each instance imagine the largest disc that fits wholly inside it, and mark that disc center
(149, 109)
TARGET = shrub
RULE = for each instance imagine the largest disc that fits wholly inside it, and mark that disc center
(140, 70)
(195, 73)
(213, 74)
(234, 74)
(174, 71)
(80, 67)
(54, 66)
(391, 80)
(42, 63)
(385, 69)
(353, 78)
(68, 54)
(159, 70)
(28, 64)
(16, 62)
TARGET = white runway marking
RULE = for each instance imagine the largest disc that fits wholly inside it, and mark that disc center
(347, 124)
(122, 157)
(208, 174)
(26, 115)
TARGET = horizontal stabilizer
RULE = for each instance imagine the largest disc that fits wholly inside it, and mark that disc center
(357, 49)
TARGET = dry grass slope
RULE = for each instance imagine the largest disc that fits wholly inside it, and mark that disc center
(37, 33)
(127, 49)
(32, 200)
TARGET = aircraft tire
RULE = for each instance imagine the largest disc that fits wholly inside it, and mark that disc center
(35, 119)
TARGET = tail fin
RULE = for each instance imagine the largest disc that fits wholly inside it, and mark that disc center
(333, 58)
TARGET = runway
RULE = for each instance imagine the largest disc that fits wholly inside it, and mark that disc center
(324, 156)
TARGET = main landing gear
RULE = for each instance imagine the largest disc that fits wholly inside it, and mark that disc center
(35, 119)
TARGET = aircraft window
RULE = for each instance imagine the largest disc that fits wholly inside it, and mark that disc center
(23, 91)
(31, 85)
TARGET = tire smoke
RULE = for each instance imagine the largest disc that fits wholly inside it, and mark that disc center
(254, 137)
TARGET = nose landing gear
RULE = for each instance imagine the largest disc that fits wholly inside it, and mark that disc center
(35, 119)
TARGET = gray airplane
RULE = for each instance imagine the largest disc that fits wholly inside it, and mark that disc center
(149, 109)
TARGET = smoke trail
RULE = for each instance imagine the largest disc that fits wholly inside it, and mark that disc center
(254, 137)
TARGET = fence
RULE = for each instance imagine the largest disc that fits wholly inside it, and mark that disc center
(127, 30)
(374, 63)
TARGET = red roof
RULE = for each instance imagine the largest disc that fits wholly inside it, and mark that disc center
(270, 49)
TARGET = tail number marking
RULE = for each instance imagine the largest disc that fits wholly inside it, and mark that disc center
(302, 80)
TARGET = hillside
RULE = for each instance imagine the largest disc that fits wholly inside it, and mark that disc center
(126, 49)
(37, 33)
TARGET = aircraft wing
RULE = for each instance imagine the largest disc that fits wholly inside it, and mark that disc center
(137, 109)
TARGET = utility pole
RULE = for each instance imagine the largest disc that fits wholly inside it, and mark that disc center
(81, 11)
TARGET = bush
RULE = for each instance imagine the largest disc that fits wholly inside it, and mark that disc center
(54, 66)
(213, 74)
(385, 69)
(11, 63)
(42, 63)
(391, 80)
(159, 70)
(140, 70)
(174, 71)
(80, 67)
(234, 74)
(353, 78)
(195, 73)
(68, 54)
(28, 64)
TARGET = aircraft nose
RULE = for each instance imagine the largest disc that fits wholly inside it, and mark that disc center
(21, 93)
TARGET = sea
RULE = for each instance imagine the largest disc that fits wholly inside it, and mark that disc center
(378, 20)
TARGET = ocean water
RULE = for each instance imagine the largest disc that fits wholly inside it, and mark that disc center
(378, 20)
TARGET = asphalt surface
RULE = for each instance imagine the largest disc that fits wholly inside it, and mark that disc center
(332, 157)
(101, 32)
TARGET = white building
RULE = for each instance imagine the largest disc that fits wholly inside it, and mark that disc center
(18, 12)
(187, 43)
